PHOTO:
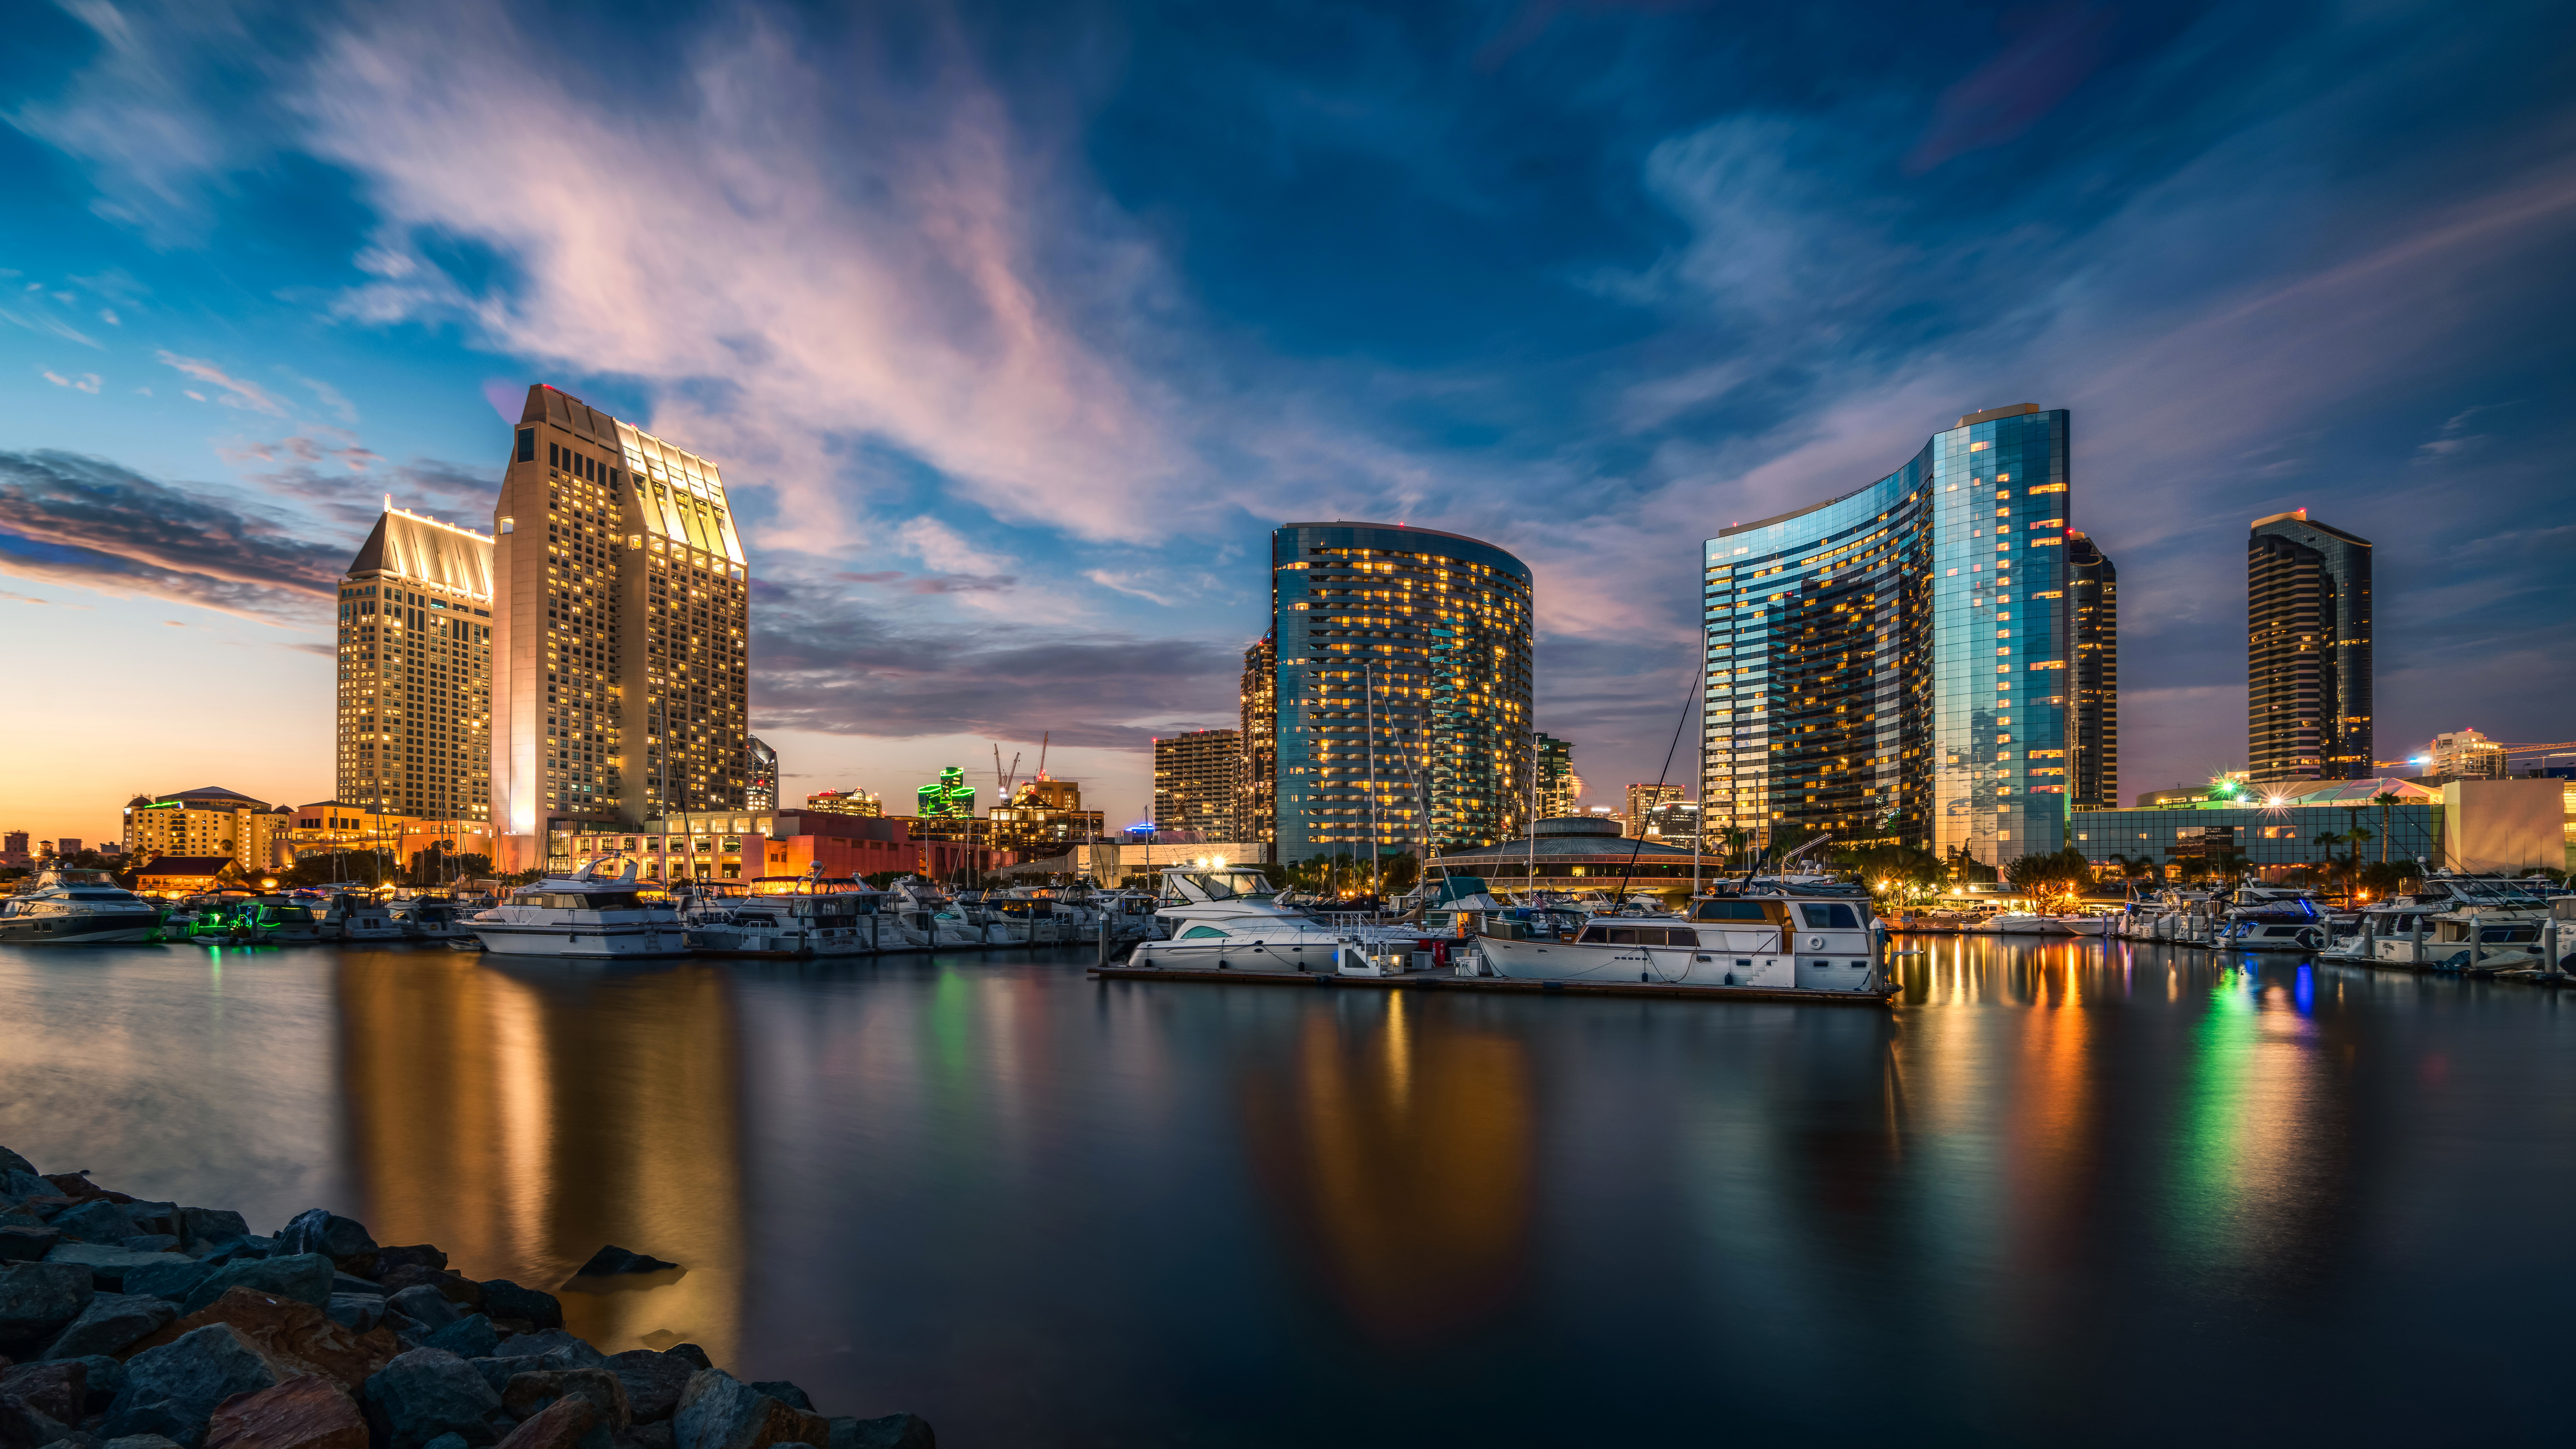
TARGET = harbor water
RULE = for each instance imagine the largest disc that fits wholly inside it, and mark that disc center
(2063, 1191)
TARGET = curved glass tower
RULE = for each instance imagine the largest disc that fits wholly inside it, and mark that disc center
(1891, 666)
(1402, 692)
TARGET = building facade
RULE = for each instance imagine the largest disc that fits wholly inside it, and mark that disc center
(415, 678)
(1197, 779)
(947, 798)
(1892, 665)
(2307, 663)
(1256, 791)
(2464, 755)
(1402, 690)
(760, 776)
(620, 636)
(846, 802)
(2093, 596)
(1558, 786)
(206, 822)
(1642, 800)
(1044, 817)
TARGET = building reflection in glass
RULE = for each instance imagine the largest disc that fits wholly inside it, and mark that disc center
(521, 1118)
(1400, 1162)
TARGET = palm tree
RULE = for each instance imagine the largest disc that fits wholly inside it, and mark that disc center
(2386, 800)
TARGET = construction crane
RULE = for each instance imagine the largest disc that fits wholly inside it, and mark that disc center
(1002, 777)
(1043, 740)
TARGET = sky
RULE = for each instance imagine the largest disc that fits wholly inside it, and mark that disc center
(1015, 329)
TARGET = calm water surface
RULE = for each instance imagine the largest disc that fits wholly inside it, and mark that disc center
(2063, 1192)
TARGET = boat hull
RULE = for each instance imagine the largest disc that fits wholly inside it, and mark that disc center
(584, 942)
(1702, 969)
(103, 929)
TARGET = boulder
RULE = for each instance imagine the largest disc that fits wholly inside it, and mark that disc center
(894, 1431)
(20, 1243)
(785, 1393)
(106, 1377)
(298, 1337)
(12, 1162)
(151, 1243)
(55, 1390)
(233, 1250)
(305, 1277)
(567, 1423)
(109, 1323)
(446, 1441)
(427, 1393)
(342, 1240)
(425, 1305)
(719, 1411)
(14, 1183)
(469, 1337)
(77, 1185)
(360, 1311)
(154, 1217)
(173, 1279)
(527, 1393)
(509, 1302)
(653, 1382)
(154, 1423)
(37, 1299)
(421, 1255)
(456, 1289)
(96, 1221)
(644, 1436)
(140, 1441)
(613, 1260)
(24, 1426)
(108, 1263)
(557, 1349)
(187, 1377)
(210, 1225)
(306, 1412)
(692, 1353)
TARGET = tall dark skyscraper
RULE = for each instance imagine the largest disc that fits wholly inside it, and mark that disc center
(1403, 689)
(2093, 597)
(2307, 677)
(1256, 786)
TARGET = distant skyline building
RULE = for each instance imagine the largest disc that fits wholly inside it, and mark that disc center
(846, 802)
(1196, 780)
(760, 776)
(1402, 689)
(1558, 786)
(415, 671)
(1256, 808)
(209, 821)
(1892, 665)
(1642, 800)
(1044, 817)
(2093, 595)
(2308, 664)
(620, 631)
(947, 798)
(2464, 755)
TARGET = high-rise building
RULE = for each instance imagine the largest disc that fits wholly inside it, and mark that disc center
(1196, 776)
(416, 671)
(1044, 817)
(1558, 786)
(206, 822)
(1642, 799)
(759, 776)
(947, 798)
(1890, 665)
(2464, 755)
(1403, 689)
(1256, 791)
(619, 636)
(2307, 606)
(846, 802)
(2093, 595)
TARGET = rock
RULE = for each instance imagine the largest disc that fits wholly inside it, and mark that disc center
(23, 1184)
(692, 1353)
(644, 1436)
(508, 1301)
(78, 1185)
(153, 1423)
(22, 1244)
(422, 1255)
(567, 1423)
(298, 1337)
(653, 1382)
(342, 1240)
(106, 1377)
(141, 1441)
(306, 1412)
(360, 1311)
(97, 1221)
(305, 1277)
(894, 1431)
(719, 1411)
(527, 1393)
(110, 1323)
(12, 1162)
(446, 1441)
(189, 1377)
(23, 1426)
(154, 1217)
(427, 1393)
(174, 1278)
(210, 1225)
(456, 1289)
(468, 1337)
(37, 1299)
(786, 1393)
(553, 1344)
(613, 1259)
(151, 1243)
(424, 1304)
(108, 1264)
(55, 1390)
(234, 1250)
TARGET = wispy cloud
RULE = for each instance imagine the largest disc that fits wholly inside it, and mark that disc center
(84, 382)
(236, 392)
(86, 521)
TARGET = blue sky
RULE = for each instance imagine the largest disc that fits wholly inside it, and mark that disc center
(1015, 329)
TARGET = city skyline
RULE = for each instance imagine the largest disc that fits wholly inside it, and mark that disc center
(1011, 486)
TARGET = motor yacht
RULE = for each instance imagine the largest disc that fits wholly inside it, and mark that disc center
(594, 914)
(1231, 920)
(431, 918)
(357, 918)
(788, 916)
(62, 906)
(1797, 936)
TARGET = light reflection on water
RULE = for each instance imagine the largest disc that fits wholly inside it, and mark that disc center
(2029, 1205)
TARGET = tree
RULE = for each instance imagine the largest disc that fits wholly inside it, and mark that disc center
(2056, 876)
(2386, 800)
(1903, 874)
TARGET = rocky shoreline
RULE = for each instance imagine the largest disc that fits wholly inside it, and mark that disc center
(128, 1324)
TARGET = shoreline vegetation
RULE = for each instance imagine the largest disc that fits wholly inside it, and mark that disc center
(132, 1324)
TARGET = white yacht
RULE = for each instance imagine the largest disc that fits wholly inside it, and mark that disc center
(1231, 920)
(1816, 938)
(788, 916)
(594, 914)
(67, 907)
(929, 920)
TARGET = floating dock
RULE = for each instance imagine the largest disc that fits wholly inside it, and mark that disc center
(1441, 981)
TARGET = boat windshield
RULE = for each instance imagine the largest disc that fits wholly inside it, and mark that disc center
(1230, 885)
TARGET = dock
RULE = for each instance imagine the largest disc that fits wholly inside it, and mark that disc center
(1435, 981)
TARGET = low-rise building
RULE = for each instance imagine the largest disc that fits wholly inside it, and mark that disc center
(2464, 825)
(208, 821)
(738, 846)
(173, 876)
(846, 802)
(1045, 816)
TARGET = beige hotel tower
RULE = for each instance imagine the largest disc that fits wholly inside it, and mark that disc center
(619, 634)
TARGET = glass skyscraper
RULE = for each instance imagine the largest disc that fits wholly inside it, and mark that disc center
(1402, 691)
(1892, 665)
(2307, 604)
